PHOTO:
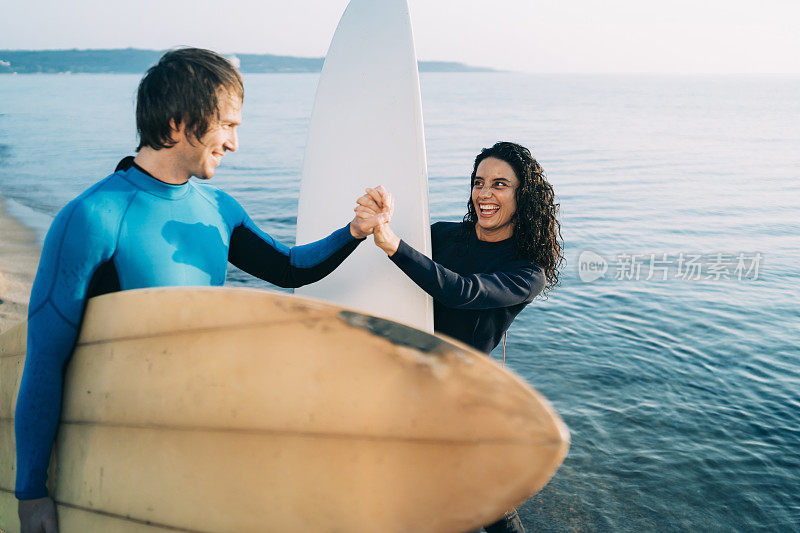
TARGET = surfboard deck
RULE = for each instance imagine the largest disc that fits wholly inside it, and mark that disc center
(366, 129)
(215, 409)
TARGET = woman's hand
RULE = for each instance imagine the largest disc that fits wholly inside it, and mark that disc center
(378, 204)
(386, 239)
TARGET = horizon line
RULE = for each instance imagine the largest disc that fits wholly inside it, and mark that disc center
(490, 69)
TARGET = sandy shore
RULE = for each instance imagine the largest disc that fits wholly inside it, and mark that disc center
(19, 256)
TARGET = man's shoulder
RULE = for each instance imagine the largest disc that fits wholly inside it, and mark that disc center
(210, 191)
(113, 187)
(223, 203)
(217, 197)
(102, 204)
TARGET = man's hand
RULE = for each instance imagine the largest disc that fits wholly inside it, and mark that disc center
(38, 516)
(374, 208)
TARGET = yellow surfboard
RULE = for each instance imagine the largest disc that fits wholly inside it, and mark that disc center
(217, 409)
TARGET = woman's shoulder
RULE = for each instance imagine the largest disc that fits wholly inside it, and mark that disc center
(445, 229)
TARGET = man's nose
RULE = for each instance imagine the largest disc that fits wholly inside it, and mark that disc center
(232, 144)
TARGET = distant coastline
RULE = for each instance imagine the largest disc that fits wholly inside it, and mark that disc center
(137, 61)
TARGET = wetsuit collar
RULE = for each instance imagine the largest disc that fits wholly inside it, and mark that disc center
(142, 179)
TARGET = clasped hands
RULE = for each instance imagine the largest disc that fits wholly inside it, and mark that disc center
(374, 211)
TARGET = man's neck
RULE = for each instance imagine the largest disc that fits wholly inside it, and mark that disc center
(161, 165)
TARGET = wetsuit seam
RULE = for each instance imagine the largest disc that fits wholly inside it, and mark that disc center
(60, 249)
(203, 196)
(330, 254)
(32, 313)
(218, 206)
(323, 265)
(58, 255)
(325, 259)
(116, 239)
(122, 221)
(65, 319)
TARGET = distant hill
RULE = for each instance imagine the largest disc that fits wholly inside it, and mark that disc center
(136, 61)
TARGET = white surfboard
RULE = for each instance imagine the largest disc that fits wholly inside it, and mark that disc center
(366, 129)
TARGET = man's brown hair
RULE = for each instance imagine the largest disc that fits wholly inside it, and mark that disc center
(185, 88)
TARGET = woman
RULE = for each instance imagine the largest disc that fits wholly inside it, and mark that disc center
(488, 267)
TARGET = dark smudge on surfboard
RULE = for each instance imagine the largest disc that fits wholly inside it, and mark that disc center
(396, 333)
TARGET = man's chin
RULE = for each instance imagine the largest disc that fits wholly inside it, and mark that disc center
(207, 175)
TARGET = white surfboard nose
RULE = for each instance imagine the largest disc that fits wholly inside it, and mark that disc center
(366, 129)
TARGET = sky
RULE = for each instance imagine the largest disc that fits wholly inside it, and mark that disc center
(583, 36)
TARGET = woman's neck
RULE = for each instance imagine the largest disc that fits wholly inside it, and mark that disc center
(494, 235)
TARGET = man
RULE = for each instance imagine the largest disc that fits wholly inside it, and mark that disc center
(147, 225)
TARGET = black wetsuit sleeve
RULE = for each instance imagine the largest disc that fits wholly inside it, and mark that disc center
(260, 255)
(475, 291)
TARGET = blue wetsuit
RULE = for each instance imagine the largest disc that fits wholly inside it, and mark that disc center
(132, 231)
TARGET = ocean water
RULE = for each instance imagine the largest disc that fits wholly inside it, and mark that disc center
(670, 348)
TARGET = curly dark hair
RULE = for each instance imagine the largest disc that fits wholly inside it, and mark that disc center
(537, 231)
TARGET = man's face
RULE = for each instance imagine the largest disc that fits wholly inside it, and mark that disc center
(201, 157)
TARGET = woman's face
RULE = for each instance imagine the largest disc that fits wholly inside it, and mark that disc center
(494, 197)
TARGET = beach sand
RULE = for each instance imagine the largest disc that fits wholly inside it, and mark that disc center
(19, 257)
